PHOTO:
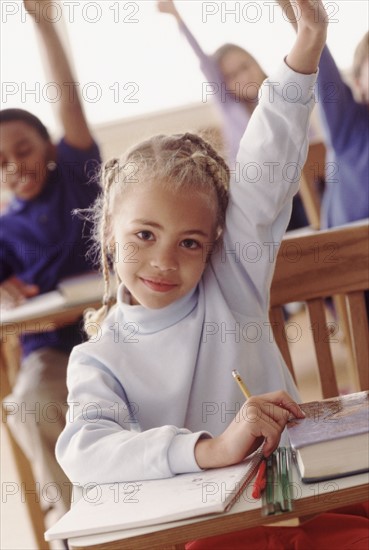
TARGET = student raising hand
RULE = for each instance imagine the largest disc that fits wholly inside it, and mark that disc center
(346, 128)
(70, 111)
(41, 243)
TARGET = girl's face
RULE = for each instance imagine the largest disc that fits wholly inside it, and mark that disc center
(242, 74)
(162, 240)
(23, 159)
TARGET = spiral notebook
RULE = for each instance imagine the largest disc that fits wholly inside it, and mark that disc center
(116, 506)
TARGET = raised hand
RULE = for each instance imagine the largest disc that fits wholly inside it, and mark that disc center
(168, 6)
(34, 7)
(311, 22)
(310, 15)
(70, 112)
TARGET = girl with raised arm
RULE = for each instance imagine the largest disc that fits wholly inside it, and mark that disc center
(235, 76)
(152, 393)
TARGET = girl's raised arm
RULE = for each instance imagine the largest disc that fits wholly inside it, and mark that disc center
(76, 130)
(312, 23)
(208, 65)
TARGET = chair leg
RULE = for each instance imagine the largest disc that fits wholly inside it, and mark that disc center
(28, 484)
(343, 319)
(8, 360)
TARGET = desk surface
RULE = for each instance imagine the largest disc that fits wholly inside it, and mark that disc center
(312, 498)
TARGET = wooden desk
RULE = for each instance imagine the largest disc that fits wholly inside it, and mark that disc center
(309, 499)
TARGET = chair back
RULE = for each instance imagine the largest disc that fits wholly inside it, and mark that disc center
(312, 267)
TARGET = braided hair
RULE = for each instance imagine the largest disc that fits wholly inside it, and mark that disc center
(179, 162)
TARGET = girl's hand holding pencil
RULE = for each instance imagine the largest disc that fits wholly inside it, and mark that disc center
(261, 417)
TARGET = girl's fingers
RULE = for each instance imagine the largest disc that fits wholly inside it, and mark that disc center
(14, 292)
(10, 295)
(271, 431)
(285, 401)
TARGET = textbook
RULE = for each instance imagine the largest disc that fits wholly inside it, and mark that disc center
(333, 440)
(72, 291)
(115, 506)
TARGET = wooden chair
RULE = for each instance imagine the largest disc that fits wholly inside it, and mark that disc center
(9, 364)
(313, 267)
(312, 175)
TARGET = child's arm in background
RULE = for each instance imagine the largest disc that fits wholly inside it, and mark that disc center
(76, 130)
(335, 97)
(266, 177)
(208, 65)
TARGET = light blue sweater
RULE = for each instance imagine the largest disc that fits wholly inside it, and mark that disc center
(154, 381)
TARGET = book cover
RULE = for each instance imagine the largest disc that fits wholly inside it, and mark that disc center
(333, 439)
(329, 419)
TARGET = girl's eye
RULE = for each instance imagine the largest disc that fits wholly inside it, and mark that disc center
(145, 235)
(190, 243)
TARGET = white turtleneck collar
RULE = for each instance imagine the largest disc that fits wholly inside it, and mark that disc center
(150, 321)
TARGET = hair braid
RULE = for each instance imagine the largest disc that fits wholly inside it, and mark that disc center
(92, 316)
(215, 166)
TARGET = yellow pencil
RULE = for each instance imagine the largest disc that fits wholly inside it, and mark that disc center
(241, 384)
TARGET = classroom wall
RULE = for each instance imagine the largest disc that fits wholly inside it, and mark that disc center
(115, 137)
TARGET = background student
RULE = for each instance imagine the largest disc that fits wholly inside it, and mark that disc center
(236, 78)
(230, 69)
(41, 243)
(346, 124)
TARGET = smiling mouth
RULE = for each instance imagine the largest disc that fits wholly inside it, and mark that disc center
(158, 285)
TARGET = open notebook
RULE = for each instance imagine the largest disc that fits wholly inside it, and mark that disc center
(117, 506)
(81, 289)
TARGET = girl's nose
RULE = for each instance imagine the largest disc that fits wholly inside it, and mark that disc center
(164, 259)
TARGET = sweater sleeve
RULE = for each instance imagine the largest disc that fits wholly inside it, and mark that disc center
(340, 111)
(102, 441)
(80, 165)
(272, 153)
(208, 66)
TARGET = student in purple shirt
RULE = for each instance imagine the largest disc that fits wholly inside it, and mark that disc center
(346, 123)
(234, 79)
(41, 242)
